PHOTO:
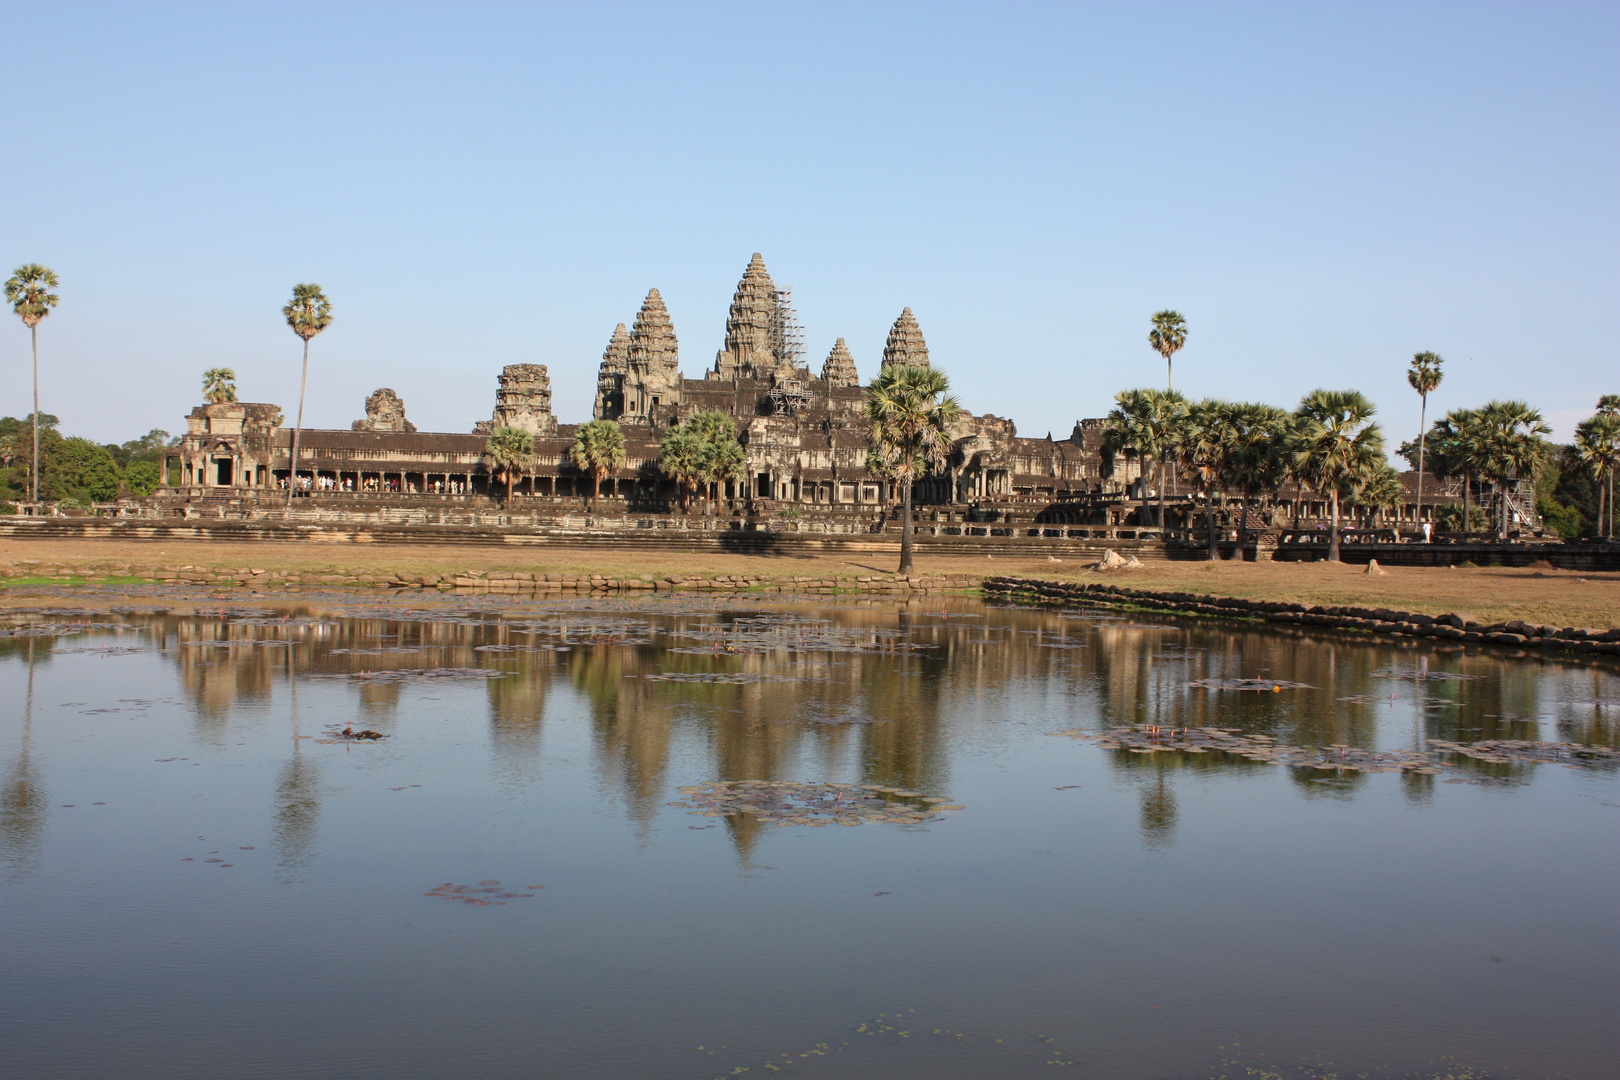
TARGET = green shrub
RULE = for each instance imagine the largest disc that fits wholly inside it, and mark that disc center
(81, 471)
(142, 477)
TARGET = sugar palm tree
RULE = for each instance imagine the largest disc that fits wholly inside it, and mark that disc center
(1512, 445)
(29, 292)
(1597, 446)
(909, 413)
(1202, 448)
(1424, 375)
(680, 457)
(1144, 424)
(219, 385)
(1336, 446)
(308, 313)
(1453, 449)
(598, 450)
(1378, 491)
(721, 456)
(1168, 335)
(1254, 461)
(723, 460)
(509, 453)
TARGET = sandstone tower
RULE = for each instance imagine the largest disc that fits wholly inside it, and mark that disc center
(906, 344)
(839, 369)
(384, 412)
(748, 353)
(653, 381)
(610, 376)
(523, 400)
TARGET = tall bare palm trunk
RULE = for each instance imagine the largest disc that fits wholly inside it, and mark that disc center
(1333, 535)
(1423, 420)
(33, 334)
(905, 525)
(1209, 517)
(298, 430)
(1161, 493)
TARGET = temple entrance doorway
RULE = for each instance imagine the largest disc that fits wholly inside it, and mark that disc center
(223, 472)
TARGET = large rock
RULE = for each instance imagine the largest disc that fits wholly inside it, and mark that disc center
(1111, 560)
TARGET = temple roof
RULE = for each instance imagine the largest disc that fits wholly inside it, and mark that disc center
(652, 342)
(839, 369)
(906, 344)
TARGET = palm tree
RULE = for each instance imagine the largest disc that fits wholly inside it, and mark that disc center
(1167, 418)
(1424, 375)
(510, 454)
(1131, 429)
(723, 460)
(1254, 460)
(1511, 444)
(29, 292)
(219, 385)
(1336, 446)
(308, 313)
(1454, 439)
(1597, 445)
(722, 457)
(910, 412)
(1168, 335)
(1378, 491)
(1202, 447)
(598, 450)
(680, 457)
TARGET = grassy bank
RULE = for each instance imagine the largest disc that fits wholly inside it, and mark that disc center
(1489, 594)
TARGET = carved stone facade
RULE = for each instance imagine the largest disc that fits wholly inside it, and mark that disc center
(384, 412)
(229, 444)
(906, 345)
(804, 436)
(839, 368)
(523, 400)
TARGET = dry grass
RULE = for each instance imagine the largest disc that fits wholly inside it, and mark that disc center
(1558, 597)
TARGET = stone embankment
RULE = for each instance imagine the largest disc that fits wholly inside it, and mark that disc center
(1381, 621)
(259, 579)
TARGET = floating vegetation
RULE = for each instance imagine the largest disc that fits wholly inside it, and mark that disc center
(1421, 675)
(101, 650)
(523, 648)
(415, 675)
(484, 894)
(348, 734)
(783, 802)
(725, 678)
(1148, 739)
(59, 629)
(1268, 685)
(752, 637)
(1498, 751)
(240, 643)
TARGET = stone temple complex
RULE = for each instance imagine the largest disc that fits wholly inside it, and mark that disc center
(803, 432)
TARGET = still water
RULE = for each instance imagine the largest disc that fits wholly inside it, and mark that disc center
(200, 878)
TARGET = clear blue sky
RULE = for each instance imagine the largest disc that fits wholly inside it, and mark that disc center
(1321, 189)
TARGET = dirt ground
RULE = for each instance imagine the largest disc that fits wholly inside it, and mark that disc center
(1489, 594)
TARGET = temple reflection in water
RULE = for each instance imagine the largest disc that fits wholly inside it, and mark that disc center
(873, 692)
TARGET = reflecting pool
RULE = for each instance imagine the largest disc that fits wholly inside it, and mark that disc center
(703, 837)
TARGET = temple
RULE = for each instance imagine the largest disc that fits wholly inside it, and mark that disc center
(804, 434)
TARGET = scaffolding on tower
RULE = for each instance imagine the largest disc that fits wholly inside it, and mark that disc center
(787, 336)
